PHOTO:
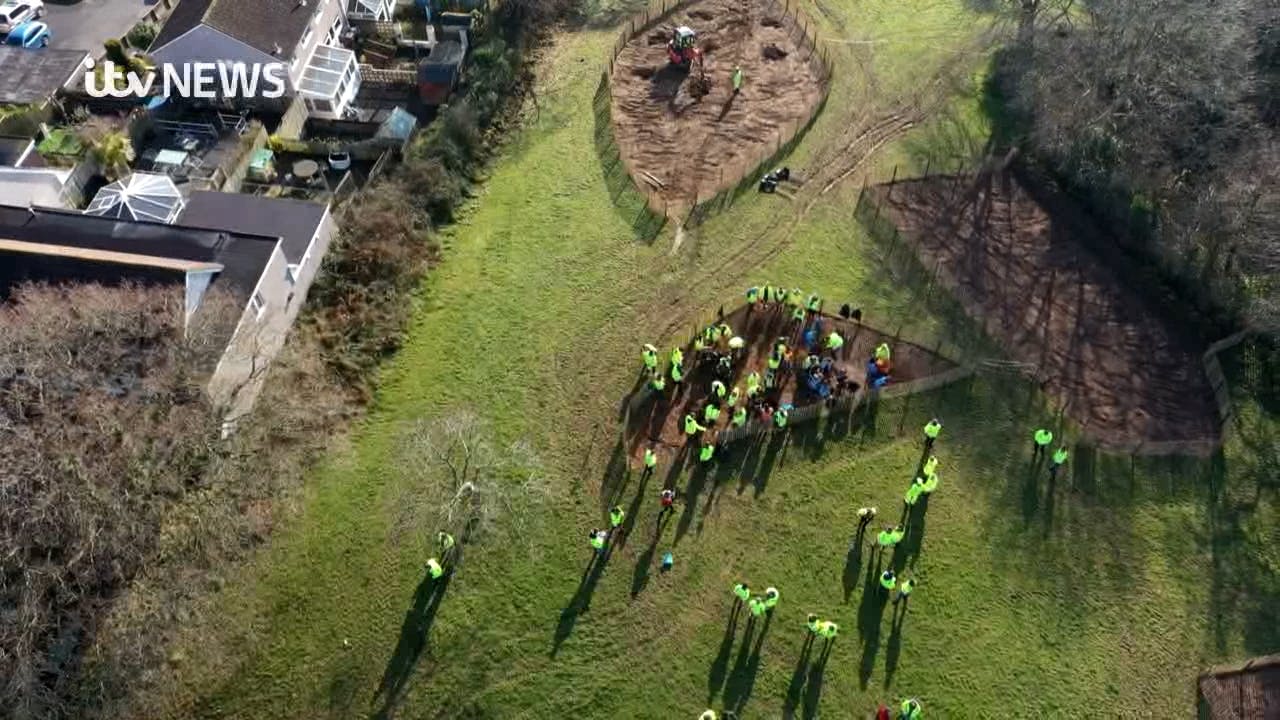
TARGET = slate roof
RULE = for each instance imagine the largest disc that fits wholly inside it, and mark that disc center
(244, 257)
(260, 24)
(293, 221)
(33, 76)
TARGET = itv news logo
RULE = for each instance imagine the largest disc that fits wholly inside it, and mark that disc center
(205, 80)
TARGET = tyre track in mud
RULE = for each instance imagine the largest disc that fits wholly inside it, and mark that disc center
(850, 156)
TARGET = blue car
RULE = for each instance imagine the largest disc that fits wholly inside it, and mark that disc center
(30, 34)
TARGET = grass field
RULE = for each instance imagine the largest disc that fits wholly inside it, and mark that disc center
(1105, 593)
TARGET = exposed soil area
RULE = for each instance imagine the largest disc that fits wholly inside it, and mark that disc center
(694, 137)
(1034, 269)
(660, 419)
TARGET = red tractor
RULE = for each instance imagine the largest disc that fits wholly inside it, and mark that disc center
(682, 48)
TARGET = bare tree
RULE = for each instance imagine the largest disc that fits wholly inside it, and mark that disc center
(1164, 111)
(103, 426)
(462, 482)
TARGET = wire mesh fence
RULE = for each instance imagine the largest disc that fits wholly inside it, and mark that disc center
(970, 332)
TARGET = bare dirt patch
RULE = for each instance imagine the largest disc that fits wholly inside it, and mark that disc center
(1033, 268)
(695, 142)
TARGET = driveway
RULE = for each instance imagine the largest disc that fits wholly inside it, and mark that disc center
(86, 24)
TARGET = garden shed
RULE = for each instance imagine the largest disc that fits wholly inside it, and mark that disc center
(438, 75)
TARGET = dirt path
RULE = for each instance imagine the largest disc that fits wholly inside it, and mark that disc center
(1032, 275)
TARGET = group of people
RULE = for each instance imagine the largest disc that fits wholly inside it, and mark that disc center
(438, 566)
(759, 605)
(1040, 441)
(726, 405)
(599, 538)
(720, 349)
(778, 299)
(886, 540)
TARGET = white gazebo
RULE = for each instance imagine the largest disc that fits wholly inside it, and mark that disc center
(330, 81)
(146, 197)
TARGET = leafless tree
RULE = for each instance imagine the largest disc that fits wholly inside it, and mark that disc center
(1168, 106)
(462, 482)
(103, 425)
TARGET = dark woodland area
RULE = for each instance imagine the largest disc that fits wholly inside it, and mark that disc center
(1163, 116)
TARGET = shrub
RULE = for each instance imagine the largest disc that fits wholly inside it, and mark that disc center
(372, 265)
(142, 35)
(116, 53)
(437, 191)
(107, 429)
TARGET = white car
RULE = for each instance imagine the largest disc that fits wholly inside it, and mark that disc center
(15, 12)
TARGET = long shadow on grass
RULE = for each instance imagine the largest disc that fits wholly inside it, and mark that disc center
(729, 465)
(798, 676)
(640, 576)
(582, 598)
(413, 640)
(616, 475)
(906, 552)
(853, 562)
(813, 688)
(747, 665)
(720, 666)
(623, 534)
(696, 483)
(894, 649)
(870, 614)
(630, 205)
(771, 450)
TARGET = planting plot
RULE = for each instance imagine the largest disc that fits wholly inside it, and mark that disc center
(695, 143)
(660, 420)
(1027, 265)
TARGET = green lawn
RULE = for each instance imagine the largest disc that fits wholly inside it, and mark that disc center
(1103, 595)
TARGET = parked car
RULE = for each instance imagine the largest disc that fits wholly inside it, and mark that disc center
(339, 160)
(30, 34)
(15, 12)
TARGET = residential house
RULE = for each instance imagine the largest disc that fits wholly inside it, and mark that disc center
(263, 252)
(305, 34)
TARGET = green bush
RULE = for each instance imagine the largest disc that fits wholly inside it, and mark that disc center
(433, 188)
(359, 298)
(116, 53)
(60, 141)
(22, 120)
(142, 35)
